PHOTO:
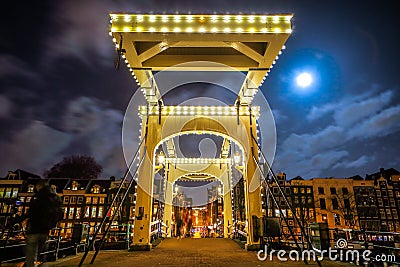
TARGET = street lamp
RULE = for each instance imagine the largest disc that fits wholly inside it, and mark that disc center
(236, 158)
(160, 161)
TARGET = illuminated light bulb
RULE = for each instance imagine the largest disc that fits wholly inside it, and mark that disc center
(127, 18)
(239, 30)
(123, 56)
(189, 29)
(164, 18)
(274, 62)
(177, 18)
(113, 29)
(152, 18)
(239, 19)
(214, 18)
(189, 18)
(116, 45)
(277, 30)
(202, 29)
(214, 30)
(126, 29)
(288, 18)
(164, 29)
(264, 30)
(283, 47)
(226, 18)
(289, 31)
(201, 18)
(110, 33)
(251, 19)
(275, 19)
(114, 40)
(114, 17)
(139, 29)
(252, 30)
(264, 19)
(227, 30)
(176, 29)
(128, 65)
(139, 18)
(152, 29)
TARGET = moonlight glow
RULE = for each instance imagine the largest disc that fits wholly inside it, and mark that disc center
(304, 79)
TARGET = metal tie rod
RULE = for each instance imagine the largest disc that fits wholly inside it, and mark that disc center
(112, 203)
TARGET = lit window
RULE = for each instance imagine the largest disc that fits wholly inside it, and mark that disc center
(94, 212)
(75, 185)
(100, 214)
(78, 213)
(31, 188)
(337, 218)
(96, 189)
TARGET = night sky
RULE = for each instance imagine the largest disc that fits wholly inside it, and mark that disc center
(61, 95)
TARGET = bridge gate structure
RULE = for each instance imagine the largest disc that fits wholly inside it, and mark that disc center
(150, 43)
(216, 44)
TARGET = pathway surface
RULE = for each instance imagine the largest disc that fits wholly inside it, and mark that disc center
(188, 252)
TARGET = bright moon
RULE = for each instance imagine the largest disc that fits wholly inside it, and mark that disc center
(304, 79)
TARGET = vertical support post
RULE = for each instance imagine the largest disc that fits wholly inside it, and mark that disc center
(167, 219)
(252, 187)
(144, 200)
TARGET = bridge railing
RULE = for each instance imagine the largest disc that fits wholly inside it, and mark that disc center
(13, 248)
(158, 229)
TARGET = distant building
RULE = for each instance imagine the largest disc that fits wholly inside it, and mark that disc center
(387, 191)
(10, 191)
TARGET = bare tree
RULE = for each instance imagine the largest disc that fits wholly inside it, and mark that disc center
(346, 207)
(77, 167)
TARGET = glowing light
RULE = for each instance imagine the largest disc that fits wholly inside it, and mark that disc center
(252, 30)
(214, 18)
(239, 19)
(214, 30)
(202, 29)
(275, 20)
(189, 29)
(127, 18)
(113, 29)
(177, 29)
(289, 31)
(189, 18)
(164, 29)
(139, 29)
(152, 29)
(239, 30)
(127, 29)
(251, 19)
(152, 18)
(304, 79)
(177, 18)
(277, 30)
(164, 18)
(227, 30)
(140, 18)
(226, 18)
(264, 19)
